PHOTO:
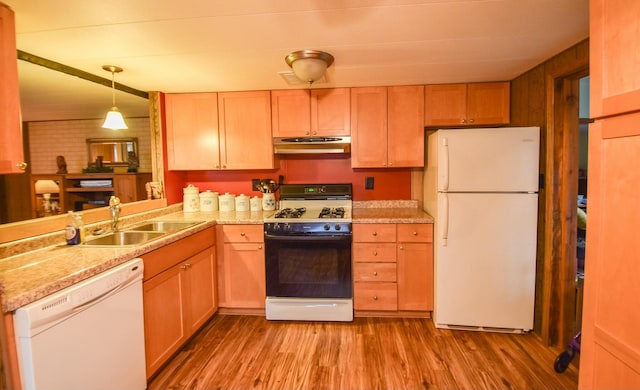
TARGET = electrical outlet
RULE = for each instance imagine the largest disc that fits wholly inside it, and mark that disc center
(368, 183)
(255, 184)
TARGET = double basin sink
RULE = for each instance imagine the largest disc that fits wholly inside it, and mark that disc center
(139, 234)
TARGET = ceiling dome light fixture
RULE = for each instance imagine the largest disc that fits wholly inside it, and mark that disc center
(114, 120)
(309, 65)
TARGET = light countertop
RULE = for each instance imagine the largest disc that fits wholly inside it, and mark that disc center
(29, 276)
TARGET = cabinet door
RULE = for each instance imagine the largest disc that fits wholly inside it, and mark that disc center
(201, 298)
(245, 130)
(445, 105)
(164, 309)
(244, 276)
(291, 111)
(405, 134)
(11, 148)
(192, 131)
(415, 276)
(610, 346)
(330, 112)
(488, 103)
(369, 127)
(125, 187)
(614, 65)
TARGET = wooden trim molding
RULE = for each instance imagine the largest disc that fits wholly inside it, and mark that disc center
(37, 60)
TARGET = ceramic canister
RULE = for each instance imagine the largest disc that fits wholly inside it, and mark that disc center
(269, 201)
(208, 201)
(191, 200)
(242, 202)
(227, 202)
(255, 204)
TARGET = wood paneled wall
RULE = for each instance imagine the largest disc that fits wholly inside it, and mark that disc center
(534, 102)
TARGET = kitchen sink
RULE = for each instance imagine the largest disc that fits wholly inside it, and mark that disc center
(163, 226)
(126, 238)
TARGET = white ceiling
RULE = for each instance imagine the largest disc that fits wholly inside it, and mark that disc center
(234, 45)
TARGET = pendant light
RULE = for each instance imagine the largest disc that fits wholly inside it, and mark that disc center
(309, 65)
(114, 120)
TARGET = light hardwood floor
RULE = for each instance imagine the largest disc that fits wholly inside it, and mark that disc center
(249, 352)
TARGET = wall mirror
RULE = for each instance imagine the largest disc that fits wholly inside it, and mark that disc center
(114, 151)
(39, 87)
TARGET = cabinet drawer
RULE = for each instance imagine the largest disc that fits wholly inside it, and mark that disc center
(383, 232)
(243, 233)
(385, 252)
(374, 272)
(167, 256)
(375, 296)
(416, 232)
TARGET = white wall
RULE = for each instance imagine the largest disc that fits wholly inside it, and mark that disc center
(69, 139)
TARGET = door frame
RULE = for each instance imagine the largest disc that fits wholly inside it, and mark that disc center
(560, 217)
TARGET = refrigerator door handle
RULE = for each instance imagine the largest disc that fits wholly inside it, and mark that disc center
(445, 219)
(445, 165)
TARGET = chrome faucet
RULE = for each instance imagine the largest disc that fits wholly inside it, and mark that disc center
(114, 207)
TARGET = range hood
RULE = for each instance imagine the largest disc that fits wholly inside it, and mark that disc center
(311, 145)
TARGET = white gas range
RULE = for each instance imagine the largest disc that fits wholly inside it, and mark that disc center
(308, 254)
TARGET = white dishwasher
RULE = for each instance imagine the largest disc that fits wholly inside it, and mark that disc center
(87, 336)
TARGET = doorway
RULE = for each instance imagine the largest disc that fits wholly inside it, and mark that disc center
(562, 184)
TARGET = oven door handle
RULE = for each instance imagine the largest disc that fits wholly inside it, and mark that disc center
(316, 238)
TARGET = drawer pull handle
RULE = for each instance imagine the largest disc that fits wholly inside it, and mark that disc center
(185, 266)
(259, 246)
(401, 247)
(415, 233)
(375, 234)
(375, 273)
(375, 297)
(375, 253)
(242, 234)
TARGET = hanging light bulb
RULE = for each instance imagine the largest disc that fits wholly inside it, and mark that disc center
(114, 119)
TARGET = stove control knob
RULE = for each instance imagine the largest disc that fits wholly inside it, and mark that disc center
(287, 227)
(327, 226)
(337, 227)
(276, 227)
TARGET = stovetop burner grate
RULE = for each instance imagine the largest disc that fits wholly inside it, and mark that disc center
(337, 212)
(291, 212)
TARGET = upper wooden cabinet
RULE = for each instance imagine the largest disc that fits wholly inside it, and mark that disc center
(316, 112)
(227, 130)
(467, 104)
(614, 66)
(11, 148)
(192, 131)
(387, 127)
(245, 130)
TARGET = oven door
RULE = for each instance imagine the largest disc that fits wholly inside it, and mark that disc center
(309, 266)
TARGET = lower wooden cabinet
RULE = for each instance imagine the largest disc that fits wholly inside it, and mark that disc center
(241, 268)
(179, 294)
(393, 268)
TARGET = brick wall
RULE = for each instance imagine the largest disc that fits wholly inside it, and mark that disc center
(69, 139)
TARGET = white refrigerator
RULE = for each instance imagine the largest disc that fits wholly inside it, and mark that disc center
(481, 187)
